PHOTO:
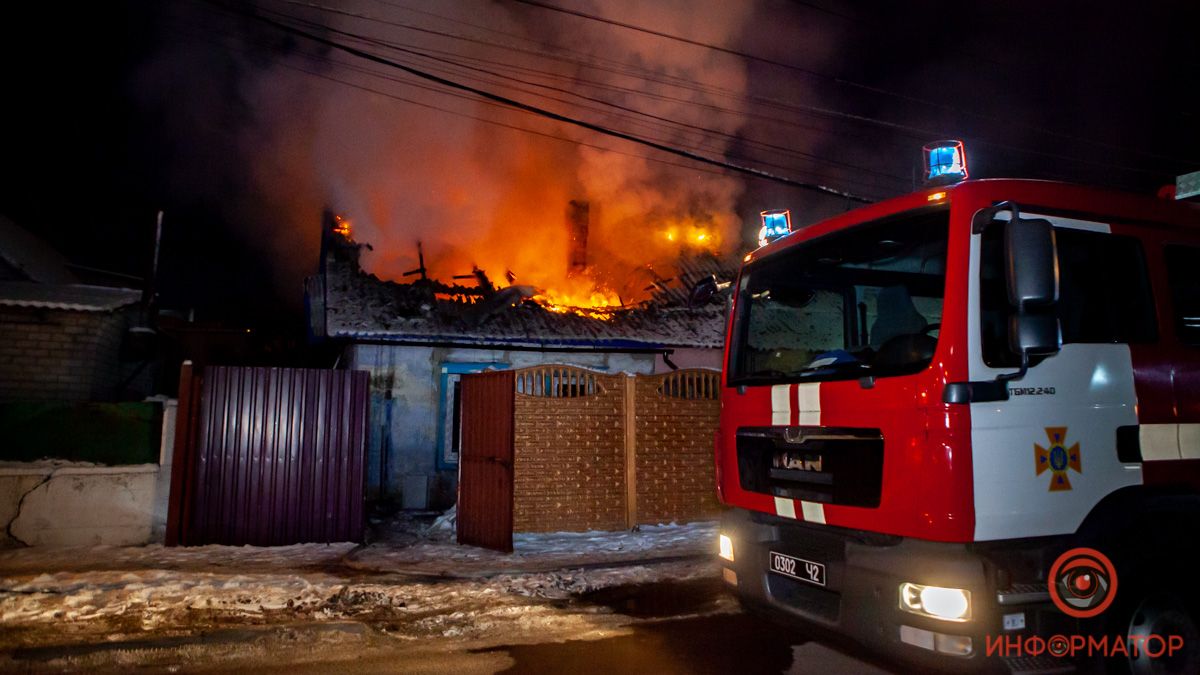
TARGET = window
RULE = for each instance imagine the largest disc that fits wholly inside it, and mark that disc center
(449, 433)
(861, 302)
(1183, 273)
(1103, 293)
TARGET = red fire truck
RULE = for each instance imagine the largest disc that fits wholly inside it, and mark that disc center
(929, 399)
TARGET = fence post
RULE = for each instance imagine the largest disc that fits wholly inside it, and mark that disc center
(179, 498)
(631, 518)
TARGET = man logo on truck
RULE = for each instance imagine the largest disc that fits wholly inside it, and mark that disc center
(1058, 458)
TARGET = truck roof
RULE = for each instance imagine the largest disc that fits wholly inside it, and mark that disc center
(1038, 195)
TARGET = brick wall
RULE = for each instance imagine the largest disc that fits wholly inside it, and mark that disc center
(569, 468)
(59, 355)
(569, 460)
(674, 456)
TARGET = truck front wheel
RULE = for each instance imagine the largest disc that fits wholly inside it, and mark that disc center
(1155, 608)
(1164, 616)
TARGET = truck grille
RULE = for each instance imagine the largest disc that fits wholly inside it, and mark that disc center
(810, 600)
(819, 464)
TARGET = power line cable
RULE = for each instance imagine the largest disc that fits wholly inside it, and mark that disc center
(914, 132)
(478, 118)
(333, 44)
(831, 78)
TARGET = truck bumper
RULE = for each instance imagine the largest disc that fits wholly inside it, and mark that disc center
(860, 599)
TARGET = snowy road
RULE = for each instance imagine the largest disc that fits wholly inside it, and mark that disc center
(591, 602)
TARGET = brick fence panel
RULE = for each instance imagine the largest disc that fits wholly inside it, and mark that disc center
(676, 422)
(569, 464)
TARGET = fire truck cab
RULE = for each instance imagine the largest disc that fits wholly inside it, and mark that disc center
(929, 399)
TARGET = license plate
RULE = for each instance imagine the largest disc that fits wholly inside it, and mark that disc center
(798, 568)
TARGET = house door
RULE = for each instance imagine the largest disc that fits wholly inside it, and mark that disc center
(485, 481)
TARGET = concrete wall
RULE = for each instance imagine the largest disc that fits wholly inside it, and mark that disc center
(59, 355)
(56, 504)
(405, 395)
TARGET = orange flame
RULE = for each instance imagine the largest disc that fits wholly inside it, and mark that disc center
(579, 295)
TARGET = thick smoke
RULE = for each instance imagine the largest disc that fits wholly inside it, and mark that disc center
(476, 193)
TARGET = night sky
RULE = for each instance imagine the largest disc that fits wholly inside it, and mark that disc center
(115, 110)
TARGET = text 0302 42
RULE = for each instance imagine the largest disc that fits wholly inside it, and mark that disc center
(798, 568)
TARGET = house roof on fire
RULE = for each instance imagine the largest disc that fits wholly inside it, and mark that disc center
(359, 306)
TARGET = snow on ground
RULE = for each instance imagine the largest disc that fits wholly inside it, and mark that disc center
(417, 582)
(436, 553)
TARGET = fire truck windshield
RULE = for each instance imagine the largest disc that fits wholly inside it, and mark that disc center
(866, 301)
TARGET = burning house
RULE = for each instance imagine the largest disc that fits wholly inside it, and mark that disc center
(419, 335)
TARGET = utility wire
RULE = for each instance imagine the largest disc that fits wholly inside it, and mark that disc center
(832, 78)
(333, 44)
(914, 132)
(443, 92)
(629, 109)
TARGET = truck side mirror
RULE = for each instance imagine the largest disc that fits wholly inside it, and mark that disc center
(1031, 271)
(1034, 334)
(704, 290)
(1031, 262)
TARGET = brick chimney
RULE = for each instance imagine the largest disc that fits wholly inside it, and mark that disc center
(577, 233)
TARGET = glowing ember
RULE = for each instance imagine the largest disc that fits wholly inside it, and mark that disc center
(583, 300)
(341, 226)
(693, 236)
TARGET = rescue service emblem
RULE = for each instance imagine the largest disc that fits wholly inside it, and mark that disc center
(1057, 458)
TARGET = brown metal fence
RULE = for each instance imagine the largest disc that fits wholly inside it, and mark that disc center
(268, 456)
(485, 492)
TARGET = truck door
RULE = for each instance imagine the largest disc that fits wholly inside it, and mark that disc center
(1046, 456)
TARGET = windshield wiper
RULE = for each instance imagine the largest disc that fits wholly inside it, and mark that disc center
(768, 372)
(835, 367)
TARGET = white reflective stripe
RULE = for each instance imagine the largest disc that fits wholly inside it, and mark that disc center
(1189, 441)
(781, 405)
(1158, 442)
(785, 507)
(808, 402)
(813, 512)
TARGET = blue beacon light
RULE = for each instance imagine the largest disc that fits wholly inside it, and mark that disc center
(775, 224)
(945, 162)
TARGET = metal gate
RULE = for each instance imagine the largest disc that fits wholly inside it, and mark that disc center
(268, 456)
(485, 485)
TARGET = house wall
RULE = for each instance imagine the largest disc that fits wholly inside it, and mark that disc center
(59, 355)
(404, 417)
(690, 357)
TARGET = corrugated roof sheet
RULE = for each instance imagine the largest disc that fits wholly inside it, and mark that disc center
(361, 306)
(78, 297)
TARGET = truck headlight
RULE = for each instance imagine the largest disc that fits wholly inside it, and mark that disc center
(726, 547)
(948, 604)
